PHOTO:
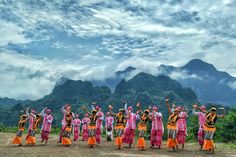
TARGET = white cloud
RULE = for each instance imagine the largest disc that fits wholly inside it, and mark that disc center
(11, 33)
(25, 77)
(232, 85)
(109, 36)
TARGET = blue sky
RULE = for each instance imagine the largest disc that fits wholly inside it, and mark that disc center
(42, 40)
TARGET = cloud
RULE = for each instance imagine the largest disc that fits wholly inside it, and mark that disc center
(44, 40)
(21, 74)
(232, 85)
(11, 33)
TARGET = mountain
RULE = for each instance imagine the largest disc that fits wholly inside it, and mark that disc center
(8, 102)
(111, 82)
(210, 85)
(154, 87)
(144, 88)
(76, 93)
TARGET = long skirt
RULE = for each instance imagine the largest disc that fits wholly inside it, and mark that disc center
(171, 141)
(208, 140)
(141, 141)
(181, 137)
(91, 135)
(200, 136)
(128, 136)
(119, 133)
(31, 138)
(156, 137)
(18, 137)
(98, 134)
(44, 135)
(61, 133)
(85, 134)
(76, 135)
(66, 137)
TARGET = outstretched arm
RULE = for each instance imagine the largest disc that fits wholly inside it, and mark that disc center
(86, 110)
(168, 106)
(43, 111)
(63, 110)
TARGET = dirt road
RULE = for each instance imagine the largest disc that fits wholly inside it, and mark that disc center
(80, 149)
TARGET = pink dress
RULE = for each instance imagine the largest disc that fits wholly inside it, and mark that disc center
(201, 122)
(128, 136)
(76, 128)
(99, 127)
(46, 126)
(182, 128)
(109, 123)
(85, 122)
(157, 129)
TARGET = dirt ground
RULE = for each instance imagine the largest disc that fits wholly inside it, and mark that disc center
(80, 149)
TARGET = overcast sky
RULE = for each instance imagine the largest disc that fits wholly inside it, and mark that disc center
(42, 41)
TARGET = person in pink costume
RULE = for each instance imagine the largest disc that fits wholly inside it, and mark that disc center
(130, 127)
(76, 127)
(47, 124)
(201, 121)
(65, 109)
(99, 126)
(109, 126)
(157, 130)
(85, 122)
(182, 126)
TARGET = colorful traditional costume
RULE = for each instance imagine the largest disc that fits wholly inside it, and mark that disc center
(142, 128)
(46, 126)
(85, 122)
(109, 126)
(31, 140)
(201, 122)
(182, 127)
(92, 128)
(129, 131)
(31, 117)
(120, 121)
(66, 134)
(157, 128)
(210, 129)
(99, 127)
(76, 127)
(21, 126)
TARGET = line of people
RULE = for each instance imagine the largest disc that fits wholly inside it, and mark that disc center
(125, 126)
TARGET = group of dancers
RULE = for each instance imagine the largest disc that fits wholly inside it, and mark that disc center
(123, 123)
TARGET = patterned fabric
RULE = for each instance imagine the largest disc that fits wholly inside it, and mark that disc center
(128, 136)
(131, 121)
(47, 122)
(200, 138)
(156, 137)
(31, 120)
(181, 123)
(181, 137)
(210, 120)
(76, 128)
(172, 120)
(98, 134)
(157, 123)
(99, 119)
(44, 135)
(109, 121)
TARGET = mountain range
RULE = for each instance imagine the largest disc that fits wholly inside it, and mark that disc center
(144, 88)
(209, 84)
